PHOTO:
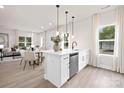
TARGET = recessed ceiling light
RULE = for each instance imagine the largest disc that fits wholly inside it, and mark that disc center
(1, 6)
(50, 23)
(42, 27)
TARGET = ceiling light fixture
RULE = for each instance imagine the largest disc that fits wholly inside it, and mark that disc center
(1, 6)
(42, 27)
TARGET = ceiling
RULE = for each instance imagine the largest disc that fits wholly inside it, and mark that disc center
(32, 17)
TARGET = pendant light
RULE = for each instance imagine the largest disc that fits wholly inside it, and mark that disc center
(66, 12)
(73, 26)
(57, 32)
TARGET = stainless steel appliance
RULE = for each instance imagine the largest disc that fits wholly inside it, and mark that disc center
(73, 64)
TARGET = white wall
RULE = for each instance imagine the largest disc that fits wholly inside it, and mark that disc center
(105, 61)
(49, 43)
(42, 34)
(107, 17)
(83, 33)
(37, 39)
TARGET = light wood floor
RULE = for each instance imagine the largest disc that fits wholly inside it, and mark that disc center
(12, 75)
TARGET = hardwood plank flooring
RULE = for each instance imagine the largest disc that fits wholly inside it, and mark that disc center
(13, 76)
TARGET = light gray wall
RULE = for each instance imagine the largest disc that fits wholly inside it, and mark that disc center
(82, 33)
(108, 17)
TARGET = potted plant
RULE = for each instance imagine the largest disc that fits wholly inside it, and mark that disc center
(57, 39)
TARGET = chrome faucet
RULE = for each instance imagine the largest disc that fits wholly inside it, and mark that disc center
(74, 43)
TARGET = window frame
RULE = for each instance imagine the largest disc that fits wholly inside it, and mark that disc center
(106, 40)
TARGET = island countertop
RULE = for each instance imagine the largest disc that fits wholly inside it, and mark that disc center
(60, 52)
(66, 51)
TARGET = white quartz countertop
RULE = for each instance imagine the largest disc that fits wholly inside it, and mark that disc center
(67, 51)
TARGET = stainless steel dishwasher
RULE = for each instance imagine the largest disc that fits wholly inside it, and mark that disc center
(73, 64)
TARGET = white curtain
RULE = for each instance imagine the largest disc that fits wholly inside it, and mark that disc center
(94, 52)
(118, 63)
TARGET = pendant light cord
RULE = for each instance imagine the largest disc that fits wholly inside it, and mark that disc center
(57, 18)
(73, 25)
(66, 12)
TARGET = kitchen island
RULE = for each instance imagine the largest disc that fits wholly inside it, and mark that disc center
(57, 65)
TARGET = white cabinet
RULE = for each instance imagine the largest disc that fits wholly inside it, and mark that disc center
(83, 59)
(57, 69)
(56, 65)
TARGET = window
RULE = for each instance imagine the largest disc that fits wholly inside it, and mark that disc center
(24, 41)
(41, 42)
(21, 41)
(107, 39)
(28, 41)
(66, 41)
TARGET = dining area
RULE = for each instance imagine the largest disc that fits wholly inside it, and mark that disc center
(31, 57)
